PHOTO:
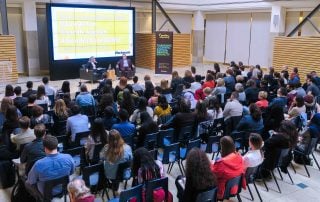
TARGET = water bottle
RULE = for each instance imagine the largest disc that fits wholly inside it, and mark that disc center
(60, 147)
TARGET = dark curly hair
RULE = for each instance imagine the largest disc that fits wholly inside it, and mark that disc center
(289, 130)
(198, 172)
(255, 112)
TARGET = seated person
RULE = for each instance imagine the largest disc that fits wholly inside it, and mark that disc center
(27, 110)
(60, 116)
(77, 123)
(109, 118)
(114, 153)
(19, 101)
(163, 108)
(229, 166)
(214, 108)
(85, 99)
(233, 107)
(252, 122)
(34, 150)
(281, 98)
(49, 89)
(144, 168)
(91, 64)
(29, 91)
(254, 156)
(142, 107)
(53, 166)
(148, 126)
(297, 108)
(199, 177)
(138, 88)
(42, 98)
(38, 116)
(78, 192)
(125, 65)
(263, 102)
(125, 128)
(26, 134)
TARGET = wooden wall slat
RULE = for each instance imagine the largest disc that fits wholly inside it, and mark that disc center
(8, 53)
(301, 52)
(146, 50)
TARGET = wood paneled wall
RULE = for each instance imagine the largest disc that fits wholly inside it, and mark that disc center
(8, 53)
(301, 52)
(146, 50)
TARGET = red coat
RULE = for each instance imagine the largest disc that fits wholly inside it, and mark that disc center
(226, 168)
(210, 84)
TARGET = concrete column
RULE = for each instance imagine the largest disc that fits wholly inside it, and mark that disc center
(30, 34)
(277, 25)
(198, 37)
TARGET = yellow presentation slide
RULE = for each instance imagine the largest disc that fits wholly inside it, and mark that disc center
(85, 32)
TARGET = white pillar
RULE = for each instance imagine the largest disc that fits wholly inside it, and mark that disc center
(30, 29)
(198, 36)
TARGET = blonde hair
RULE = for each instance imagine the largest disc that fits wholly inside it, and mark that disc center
(263, 95)
(220, 82)
(77, 188)
(164, 84)
(115, 148)
(60, 108)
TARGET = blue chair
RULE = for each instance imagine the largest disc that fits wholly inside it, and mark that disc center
(51, 184)
(153, 185)
(185, 150)
(185, 134)
(212, 146)
(308, 151)
(154, 153)
(208, 196)
(52, 101)
(236, 181)
(239, 138)
(165, 137)
(150, 141)
(164, 119)
(81, 138)
(170, 155)
(93, 176)
(127, 195)
(128, 139)
(203, 128)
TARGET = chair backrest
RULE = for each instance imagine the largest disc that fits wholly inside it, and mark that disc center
(44, 107)
(186, 133)
(213, 144)
(168, 134)
(52, 101)
(96, 153)
(154, 185)
(62, 138)
(203, 127)
(74, 151)
(154, 153)
(172, 149)
(89, 171)
(236, 181)
(208, 196)
(164, 119)
(239, 137)
(281, 154)
(311, 147)
(250, 174)
(50, 184)
(132, 193)
(193, 144)
(128, 139)
(122, 167)
(150, 140)
(80, 136)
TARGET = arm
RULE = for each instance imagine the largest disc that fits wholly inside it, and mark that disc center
(33, 175)
(23, 157)
(226, 110)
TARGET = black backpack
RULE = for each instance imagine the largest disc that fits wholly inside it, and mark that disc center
(19, 193)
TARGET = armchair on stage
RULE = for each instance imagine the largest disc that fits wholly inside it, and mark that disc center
(125, 67)
(91, 74)
(129, 73)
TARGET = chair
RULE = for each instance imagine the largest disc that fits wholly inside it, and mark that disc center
(240, 140)
(127, 195)
(81, 138)
(51, 184)
(203, 127)
(308, 151)
(62, 138)
(59, 128)
(150, 141)
(236, 181)
(250, 179)
(165, 137)
(96, 154)
(184, 151)
(212, 146)
(153, 185)
(93, 176)
(128, 74)
(75, 153)
(164, 119)
(208, 196)
(96, 94)
(218, 126)
(154, 153)
(44, 107)
(128, 139)
(185, 134)
(52, 101)
(170, 155)
(231, 124)
(123, 174)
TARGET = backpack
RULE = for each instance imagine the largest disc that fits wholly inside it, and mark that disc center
(19, 193)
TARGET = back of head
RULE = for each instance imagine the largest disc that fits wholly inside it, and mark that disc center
(37, 111)
(29, 84)
(145, 117)
(162, 102)
(135, 79)
(198, 171)
(50, 142)
(282, 91)
(17, 90)
(256, 141)
(251, 83)
(289, 129)
(83, 88)
(115, 146)
(108, 112)
(197, 78)
(239, 87)
(45, 80)
(299, 101)
(184, 106)
(32, 98)
(24, 122)
(235, 95)
(123, 115)
(75, 109)
(39, 130)
(227, 146)
(77, 188)
(11, 113)
(255, 112)
(142, 159)
(123, 81)
(220, 82)
(9, 90)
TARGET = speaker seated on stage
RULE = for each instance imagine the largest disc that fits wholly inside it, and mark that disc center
(91, 64)
(125, 67)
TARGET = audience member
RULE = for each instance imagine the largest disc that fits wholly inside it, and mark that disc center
(105, 101)
(263, 102)
(25, 135)
(148, 126)
(60, 116)
(10, 125)
(85, 99)
(39, 117)
(251, 91)
(136, 86)
(229, 81)
(176, 80)
(48, 89)
(125, 128)
(127, 102)
(281, 98)
(189, 96)
(149, 90)
(34, 150)
(312, 87)
(252, 122)
(196, 84)
(188, 77)
(109, 118)
(163, 108)
(42, 98)
(242, 95)
(5, 104)
(297, 107)
(53, 166)
(166, 90)
(254, 156)
(29, 91)
(65, 88)
(209, 82)
(233, 107)
(19, 101)
(27, 110)
(121, 86)
(229, 166)
(142, 107)
(153, 100)
(76, 123)
(220, 89)
(214, 108)
(9, 93)
(78, 192)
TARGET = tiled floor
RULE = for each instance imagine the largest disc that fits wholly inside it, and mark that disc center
(305, 189)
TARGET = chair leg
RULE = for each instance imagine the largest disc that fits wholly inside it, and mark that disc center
(275, 179)
(255, 186)
(252, 199)
(293, 168)
(290, 176)
(169, 165)
(265, 184)
(212, 155)
(184, 170)
(180, 168)
(125, 184)
(280, 173)
(315, 160)
(239, 198)
(305, 167)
